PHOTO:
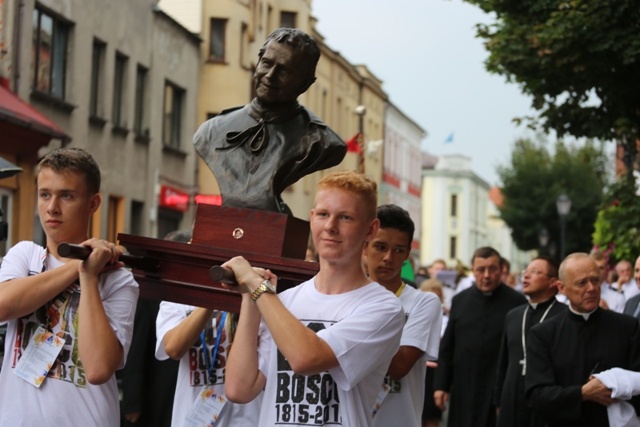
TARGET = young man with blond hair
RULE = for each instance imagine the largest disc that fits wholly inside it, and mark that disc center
(319, 350)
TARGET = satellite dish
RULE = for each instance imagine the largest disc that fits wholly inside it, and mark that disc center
(8, 169)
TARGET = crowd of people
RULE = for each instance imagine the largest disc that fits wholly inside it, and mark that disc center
(356, 345)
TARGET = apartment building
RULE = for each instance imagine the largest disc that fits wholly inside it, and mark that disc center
(118, 78)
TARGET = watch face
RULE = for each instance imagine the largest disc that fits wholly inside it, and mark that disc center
(269, 286)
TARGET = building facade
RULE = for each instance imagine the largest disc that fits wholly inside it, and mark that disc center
(460, 214)
(455, 203)
(401, 181)
(120, 79)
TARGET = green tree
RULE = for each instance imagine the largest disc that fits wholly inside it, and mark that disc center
(617, 228)
(578, 59)
(535, 178)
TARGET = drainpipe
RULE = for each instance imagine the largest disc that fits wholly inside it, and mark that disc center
(17, 46)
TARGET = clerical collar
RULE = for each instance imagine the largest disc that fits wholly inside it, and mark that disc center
(585, 316)
(535, 305)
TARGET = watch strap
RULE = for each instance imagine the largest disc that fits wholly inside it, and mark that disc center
(265, 286)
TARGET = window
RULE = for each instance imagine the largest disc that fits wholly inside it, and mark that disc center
(454, 205)
(50, 40)
(453, 253)
(288, 19)
(217, 40)
(140, 120)
(168, 221)
(119, 87)
(97, 63)
(137, 218)
(172, 119)
(115, 219)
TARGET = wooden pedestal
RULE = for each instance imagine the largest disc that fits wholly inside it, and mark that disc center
(266, 239)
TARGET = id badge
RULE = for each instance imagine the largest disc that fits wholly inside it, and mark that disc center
(382, 394)
(39, 356)
(206, 408)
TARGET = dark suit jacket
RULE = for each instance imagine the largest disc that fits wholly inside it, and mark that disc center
(631, 305)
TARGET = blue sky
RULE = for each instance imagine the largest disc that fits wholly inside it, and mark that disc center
(426, 53)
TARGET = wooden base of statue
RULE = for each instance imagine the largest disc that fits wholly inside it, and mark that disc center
(267, 239)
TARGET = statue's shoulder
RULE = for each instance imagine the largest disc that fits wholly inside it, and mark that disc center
(312, 117)
(230, 110)
(230, 119)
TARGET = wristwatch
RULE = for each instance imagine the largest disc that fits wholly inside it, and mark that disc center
(265, 286)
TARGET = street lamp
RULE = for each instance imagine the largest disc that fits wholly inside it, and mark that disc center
(543, 239)
(361, 110)
(563, 204)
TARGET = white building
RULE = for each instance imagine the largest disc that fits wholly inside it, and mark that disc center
(454, 211)
(460, 215)
(401, 180)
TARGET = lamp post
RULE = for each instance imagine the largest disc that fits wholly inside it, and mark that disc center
(543, 239)
(563, 204)
(361, 110)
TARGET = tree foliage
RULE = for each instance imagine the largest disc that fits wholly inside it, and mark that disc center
(533, 181)
(578, 59)
(617, 229)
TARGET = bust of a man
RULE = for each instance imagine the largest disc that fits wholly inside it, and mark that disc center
(257, 150)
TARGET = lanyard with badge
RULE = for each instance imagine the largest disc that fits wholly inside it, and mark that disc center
(209, 402)
(523, 361)
(41, 352)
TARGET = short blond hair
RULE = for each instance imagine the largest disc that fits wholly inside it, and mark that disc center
(356, 183)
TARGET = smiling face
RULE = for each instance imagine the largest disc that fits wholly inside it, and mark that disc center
(281, 74)
(580, 282)
(340, 225)
(65, 205)
(385, 254)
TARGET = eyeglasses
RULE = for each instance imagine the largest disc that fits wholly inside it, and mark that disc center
(534, 273)
(491, 269)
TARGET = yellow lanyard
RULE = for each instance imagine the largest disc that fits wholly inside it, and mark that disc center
(400, 289)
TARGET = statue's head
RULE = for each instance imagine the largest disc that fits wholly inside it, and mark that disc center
(286, 66)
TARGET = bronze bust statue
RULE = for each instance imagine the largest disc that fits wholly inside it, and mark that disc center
(257, 150)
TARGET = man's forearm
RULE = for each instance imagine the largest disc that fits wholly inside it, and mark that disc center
(243, 380)
(99, 349)
(24, 295)
(178, 340)
(306, 353)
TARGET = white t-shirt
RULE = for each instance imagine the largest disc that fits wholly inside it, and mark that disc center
(362, 327)
(65, 398)
(403, 404)
(193, 373)
(615, 300)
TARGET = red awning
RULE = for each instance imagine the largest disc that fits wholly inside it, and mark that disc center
(19, 113)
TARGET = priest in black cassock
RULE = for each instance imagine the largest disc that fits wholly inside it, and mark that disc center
(467, 364)
(565, 351)
(539, 283)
